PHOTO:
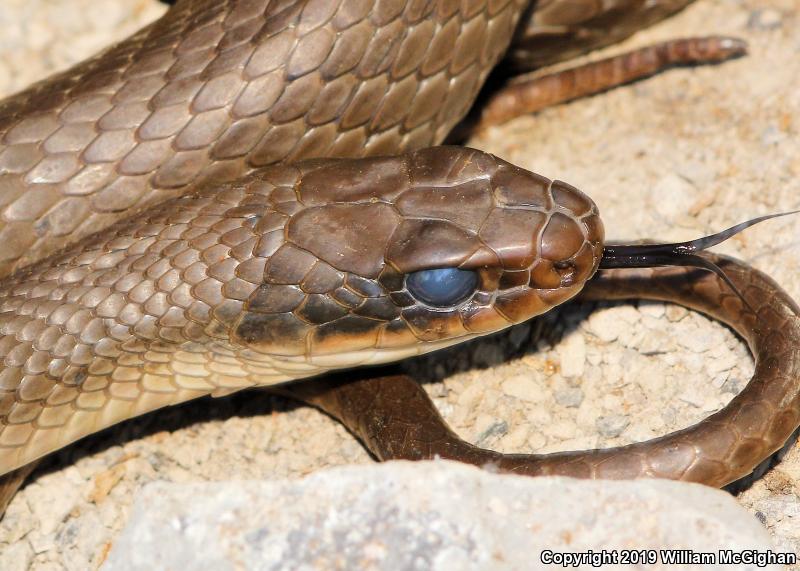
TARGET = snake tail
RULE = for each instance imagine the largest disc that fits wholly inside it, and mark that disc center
(532, 95)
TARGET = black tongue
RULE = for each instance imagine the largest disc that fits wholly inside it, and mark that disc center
(674, 254)
(678, 253)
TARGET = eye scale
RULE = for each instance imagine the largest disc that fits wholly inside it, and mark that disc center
(442, 287)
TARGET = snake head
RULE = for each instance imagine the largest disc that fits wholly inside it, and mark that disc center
(509, 243)
(385, 258)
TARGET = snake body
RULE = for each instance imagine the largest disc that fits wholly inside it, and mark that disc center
(252, 275)
(266, 280)
(214, 89)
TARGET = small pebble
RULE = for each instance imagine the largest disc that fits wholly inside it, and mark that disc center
(594, 356)
(495, 430)
(672, 196)
(515, 440)
(722, 363)
(734, 385)
(700, 173)
(694, 362)
(772, 135)
(536, 441)
(524, 388)
(569, 397)
(16, 557)
(573, 355)
(765, 19)
(605, 325)
(675, 312)
(561, 430)
(655, 310)
(471, 396)
(718, 380)
(612, 426)
(700, 339)
(693, 395)
(654, 342)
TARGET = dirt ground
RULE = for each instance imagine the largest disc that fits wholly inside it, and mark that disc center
(674, 157)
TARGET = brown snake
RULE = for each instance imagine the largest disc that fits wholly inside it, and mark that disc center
(268, 278)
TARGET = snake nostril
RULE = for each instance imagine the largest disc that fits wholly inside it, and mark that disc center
(567, 270)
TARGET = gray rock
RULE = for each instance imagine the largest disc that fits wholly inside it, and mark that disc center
(570, 397)
(431, 515)
(612, 425)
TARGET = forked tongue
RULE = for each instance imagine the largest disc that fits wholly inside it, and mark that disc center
(678, 253)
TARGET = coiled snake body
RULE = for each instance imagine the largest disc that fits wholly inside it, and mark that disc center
(253, 274)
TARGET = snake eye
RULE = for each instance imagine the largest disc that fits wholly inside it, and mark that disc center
(442, 287)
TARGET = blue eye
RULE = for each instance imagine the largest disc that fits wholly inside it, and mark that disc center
(442, 287)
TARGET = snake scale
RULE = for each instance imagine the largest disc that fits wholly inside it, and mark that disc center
(177, 220)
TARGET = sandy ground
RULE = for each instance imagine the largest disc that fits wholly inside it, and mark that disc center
(671, 158)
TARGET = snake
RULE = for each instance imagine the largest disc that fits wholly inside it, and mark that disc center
(249, 193)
